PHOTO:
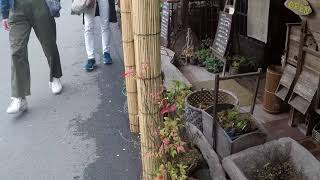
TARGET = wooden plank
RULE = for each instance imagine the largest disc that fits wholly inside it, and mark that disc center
(316, 36)
(282, 92)
(307, 85)
(288, 76)
(295, 117)
(286, 82)
(310, 61)
(301, 52)
(312, 52)
(299, 103)
(317, 99)
(292, 61)
(314, 19)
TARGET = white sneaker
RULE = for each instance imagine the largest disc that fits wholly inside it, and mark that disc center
(55, 86)
(17, 105)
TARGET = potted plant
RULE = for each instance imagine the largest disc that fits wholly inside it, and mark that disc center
(234, 68)
(201, 55)
(241, 64)
(246, 64)
(235, 124)
(282, 159)
(235, 131)
(214, 65)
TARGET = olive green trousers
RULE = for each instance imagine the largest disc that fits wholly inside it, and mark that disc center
(27, 15)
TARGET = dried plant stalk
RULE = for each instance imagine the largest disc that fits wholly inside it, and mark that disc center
(130, 65)
(146, 29)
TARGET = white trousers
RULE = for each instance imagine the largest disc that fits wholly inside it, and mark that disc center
(89, 23)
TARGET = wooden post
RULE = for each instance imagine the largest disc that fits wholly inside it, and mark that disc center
(146, 29)
(129, 63)
(254, 98)
(215, 108)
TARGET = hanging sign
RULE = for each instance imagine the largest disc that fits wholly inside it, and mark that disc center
(165, 23)
(299, 7)
(221, 39)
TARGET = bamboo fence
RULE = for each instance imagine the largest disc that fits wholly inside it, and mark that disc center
(146, 29)
(130, 65)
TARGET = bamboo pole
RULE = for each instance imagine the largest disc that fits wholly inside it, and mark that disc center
(130, 65)
(146, 28)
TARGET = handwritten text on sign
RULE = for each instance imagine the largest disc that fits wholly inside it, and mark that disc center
(221, 40)
(165, 22)
(300, 7)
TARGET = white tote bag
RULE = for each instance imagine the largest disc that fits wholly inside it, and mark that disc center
(79, 6)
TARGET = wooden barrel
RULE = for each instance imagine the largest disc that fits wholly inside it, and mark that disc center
(271, 103)
(273, 78)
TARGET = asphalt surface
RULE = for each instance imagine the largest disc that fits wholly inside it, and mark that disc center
(82, 133)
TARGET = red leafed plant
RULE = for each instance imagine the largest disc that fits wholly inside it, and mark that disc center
(167, 107)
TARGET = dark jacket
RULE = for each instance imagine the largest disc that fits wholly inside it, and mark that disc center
(112, 11)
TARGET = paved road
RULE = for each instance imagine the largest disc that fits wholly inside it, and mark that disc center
(82, 133)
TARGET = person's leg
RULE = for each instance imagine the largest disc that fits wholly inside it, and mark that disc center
(89, 38)
(105, 24)
(20, 29)
(105, 30)
(44, 27)
(89, 32)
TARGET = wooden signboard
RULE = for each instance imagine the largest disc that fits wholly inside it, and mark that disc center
(299, 7)
(222, 37)
(165, 21)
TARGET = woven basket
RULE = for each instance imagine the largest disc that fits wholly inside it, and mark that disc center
(193, 113)
(316, 133)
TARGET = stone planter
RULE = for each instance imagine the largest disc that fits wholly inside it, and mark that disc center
(240, 166)
(208, 122)
(225, 145)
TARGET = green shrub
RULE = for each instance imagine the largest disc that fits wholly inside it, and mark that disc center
(214, 65)
(202, 54)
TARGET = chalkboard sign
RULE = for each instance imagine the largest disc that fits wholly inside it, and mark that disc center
(221, 39)
(165, 23)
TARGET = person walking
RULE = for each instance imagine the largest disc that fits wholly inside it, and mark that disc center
(105, 9)
(24, 16)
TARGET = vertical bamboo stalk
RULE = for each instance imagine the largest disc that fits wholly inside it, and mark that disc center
(146, 29)
(129, 62)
